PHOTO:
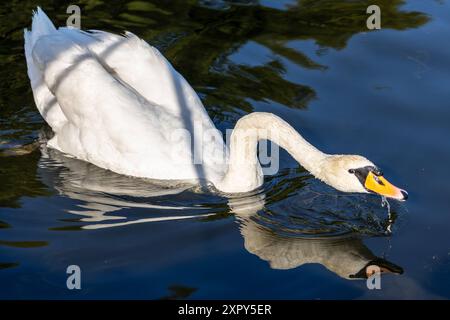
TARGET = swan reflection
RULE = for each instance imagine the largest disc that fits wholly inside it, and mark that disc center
(347, 257)
(104, 194)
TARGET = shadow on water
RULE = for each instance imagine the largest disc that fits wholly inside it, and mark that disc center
(179, 292)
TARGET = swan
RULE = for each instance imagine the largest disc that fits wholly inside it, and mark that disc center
(116, 102)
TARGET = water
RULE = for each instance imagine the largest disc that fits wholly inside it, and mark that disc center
(381, 94)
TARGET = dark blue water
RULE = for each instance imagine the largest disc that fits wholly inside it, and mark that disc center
(383, 94)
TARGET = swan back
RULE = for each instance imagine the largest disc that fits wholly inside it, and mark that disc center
(118, 103)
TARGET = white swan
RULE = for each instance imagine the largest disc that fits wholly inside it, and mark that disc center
(118, 103)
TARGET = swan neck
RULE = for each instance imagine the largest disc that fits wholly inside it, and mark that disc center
(244, 170)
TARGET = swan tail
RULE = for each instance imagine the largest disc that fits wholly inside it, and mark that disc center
(41, 26)
(44, 99)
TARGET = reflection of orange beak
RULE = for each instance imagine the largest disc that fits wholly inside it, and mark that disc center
(381, 186)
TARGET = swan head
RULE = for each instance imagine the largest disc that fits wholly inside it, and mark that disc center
(353, 173)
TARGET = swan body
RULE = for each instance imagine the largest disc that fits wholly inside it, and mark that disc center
(97, 91)
(116, 102)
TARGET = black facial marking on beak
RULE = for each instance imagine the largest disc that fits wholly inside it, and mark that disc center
(380, 263)
(361, 173)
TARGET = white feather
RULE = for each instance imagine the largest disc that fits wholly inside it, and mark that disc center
(117, 102)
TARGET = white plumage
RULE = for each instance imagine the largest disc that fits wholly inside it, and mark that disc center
(118, 103)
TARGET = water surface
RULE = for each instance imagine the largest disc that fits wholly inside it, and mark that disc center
(383, 94)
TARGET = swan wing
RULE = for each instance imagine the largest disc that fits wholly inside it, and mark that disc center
(109, 116)
(107, 124)
(142, 67)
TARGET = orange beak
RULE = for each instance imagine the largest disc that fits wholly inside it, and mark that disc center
(381, 186)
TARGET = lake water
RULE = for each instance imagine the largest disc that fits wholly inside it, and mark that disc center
(383, 94)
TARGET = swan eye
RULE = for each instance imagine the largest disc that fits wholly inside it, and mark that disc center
(351, 171)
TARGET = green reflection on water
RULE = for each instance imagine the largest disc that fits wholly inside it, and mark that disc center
(18, 179)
